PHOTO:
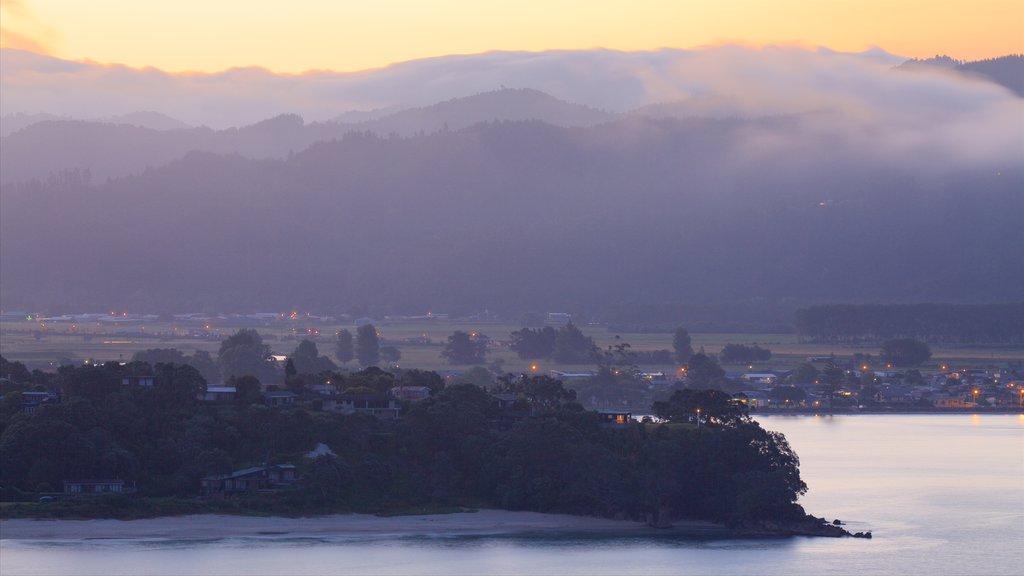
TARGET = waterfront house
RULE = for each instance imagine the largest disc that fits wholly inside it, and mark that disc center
(248, 480)
(85, 487)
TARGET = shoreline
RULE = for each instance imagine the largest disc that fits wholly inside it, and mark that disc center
(480, 523)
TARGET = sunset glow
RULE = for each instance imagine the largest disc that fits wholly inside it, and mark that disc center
(198, 35)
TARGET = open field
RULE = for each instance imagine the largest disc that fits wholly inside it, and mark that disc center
(45, 346)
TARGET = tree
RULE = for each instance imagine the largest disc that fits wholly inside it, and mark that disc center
(682, 345)
(541, 393)
(344, 348)
(464, 349)
(367, 345)
(244, 354)
(905, 352)
(571, 346)
(804, 373)
(14, 371)
(177, 386)
(247, 390)
(478, 376)
(788, 395)
(740, 354)
(426, 378)
(714, 405)
(703, 371)
(390, 354)
(529, 344)
(308, 360)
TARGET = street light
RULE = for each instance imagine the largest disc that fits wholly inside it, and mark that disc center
(698, 419)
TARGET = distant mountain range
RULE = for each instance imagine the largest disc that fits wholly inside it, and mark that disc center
(778, 175)
(520, 215)
(112, 148)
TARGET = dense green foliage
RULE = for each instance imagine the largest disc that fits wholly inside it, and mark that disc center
(344, 347)
(463, 348)
(682, 345)
(905, 352)
(742, 354)
(367, 345)
(534, 343)
(1003, 323)
(458, 447)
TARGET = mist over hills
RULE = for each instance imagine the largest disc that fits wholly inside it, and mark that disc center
(522, 215)
(723, 176)
(114, 149)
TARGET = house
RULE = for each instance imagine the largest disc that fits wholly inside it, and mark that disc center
(379, 405)
(767, 379)
(411, 393)
(84, 487)
(558, 318)
(951, 402)
(32, 400)
(615, 418)
(504, 400)
(219, 394)
(279, 398)
(563, 376)
(248, 480)
(137, 381)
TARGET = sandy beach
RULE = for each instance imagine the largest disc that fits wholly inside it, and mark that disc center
(483, 522)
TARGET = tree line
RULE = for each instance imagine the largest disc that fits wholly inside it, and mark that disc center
(982, 323)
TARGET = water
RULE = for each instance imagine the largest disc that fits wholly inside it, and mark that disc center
(943, 494)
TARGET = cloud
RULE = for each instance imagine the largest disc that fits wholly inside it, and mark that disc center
(27, 33)
(852, 100)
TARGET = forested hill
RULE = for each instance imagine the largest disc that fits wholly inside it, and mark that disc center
(125, 145)
(526, 215)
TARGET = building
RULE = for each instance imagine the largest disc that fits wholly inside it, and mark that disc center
(380, 405)
(411, 393)
(248, 480)
(30, 401)
(137, 381)
(219, 394)
(87, 487)
(279, 398)
(615, 418)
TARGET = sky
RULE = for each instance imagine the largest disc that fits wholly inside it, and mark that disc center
(344, 35)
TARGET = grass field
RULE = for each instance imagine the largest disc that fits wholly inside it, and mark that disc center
(43, 347)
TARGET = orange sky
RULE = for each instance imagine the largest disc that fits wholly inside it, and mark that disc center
(344, 35)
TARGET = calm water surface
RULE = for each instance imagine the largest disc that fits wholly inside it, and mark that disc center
(943, 494)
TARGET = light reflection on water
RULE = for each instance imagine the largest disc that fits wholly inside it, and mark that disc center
(943, 494)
